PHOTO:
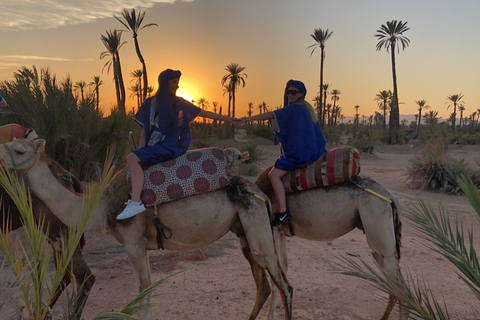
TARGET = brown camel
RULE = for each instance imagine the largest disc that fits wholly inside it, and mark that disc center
(324, 214)
(194, 221)
(54, 229)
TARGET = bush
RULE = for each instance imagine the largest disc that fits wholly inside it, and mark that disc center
(433, 171)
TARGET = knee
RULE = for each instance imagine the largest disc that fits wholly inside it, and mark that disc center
(131, 158)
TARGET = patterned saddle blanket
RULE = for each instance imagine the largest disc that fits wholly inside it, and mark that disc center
(335, 166)
(194, 172)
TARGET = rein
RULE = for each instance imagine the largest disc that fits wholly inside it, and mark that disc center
(18, 164)
(232, 163)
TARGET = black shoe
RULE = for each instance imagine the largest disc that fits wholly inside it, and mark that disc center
(280, 217)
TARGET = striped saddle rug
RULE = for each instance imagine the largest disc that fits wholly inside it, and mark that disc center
(194, 172)
(335, 166)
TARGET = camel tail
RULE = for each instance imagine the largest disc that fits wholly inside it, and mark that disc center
(397, 225)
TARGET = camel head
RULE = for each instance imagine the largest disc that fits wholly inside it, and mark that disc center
(235, 158)
(20, 153)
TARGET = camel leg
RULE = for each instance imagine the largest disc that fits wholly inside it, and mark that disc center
(392, 269)
(84, 278)
(261, 281)
(260, 240)
(281, 248)
(138, 256)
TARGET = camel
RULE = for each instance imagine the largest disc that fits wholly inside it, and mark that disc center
(324, 214)
(54, 229)
(195, 221)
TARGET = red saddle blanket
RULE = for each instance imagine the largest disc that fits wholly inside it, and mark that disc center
(194, 172)
(333, 167)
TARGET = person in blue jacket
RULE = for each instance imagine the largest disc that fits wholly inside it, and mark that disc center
(165, 119)
(298, 130)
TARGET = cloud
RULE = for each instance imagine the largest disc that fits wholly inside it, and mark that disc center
(48, 14)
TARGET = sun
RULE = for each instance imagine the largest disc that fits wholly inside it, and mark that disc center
(186, 94)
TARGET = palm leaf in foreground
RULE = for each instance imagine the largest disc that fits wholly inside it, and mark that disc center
(134, 306)
(419, 300)
(448, 241)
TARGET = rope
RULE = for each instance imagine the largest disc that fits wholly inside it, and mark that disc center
(372, 192)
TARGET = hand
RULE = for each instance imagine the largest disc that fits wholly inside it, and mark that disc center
(244, 119)
(235, 121)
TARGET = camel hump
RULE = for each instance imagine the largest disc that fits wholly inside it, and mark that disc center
(196, 171)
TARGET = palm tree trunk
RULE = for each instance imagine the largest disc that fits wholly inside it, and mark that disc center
(144, 68)
(395, 112)
(419, 119)
(322, 56)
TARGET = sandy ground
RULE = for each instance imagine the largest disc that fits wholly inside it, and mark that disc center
(219, 285)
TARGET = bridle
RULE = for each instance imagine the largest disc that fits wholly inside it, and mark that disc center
(18, 164)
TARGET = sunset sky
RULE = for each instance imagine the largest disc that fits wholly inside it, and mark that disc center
(268, 37)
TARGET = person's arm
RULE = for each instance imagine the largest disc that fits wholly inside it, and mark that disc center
(263, 116)
(142, 139)
(215, 116)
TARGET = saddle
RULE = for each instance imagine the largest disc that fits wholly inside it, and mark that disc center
(194, 172)
(335, 166)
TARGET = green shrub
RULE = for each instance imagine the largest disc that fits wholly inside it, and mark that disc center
(433, 171)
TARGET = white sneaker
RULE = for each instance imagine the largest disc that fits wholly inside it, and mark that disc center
(132, 209)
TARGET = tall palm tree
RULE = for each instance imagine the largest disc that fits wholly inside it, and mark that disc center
(113, 42)
(320, 36)
(227, 90)
(96, 83)
(137, 76)
(390, 36)
(133, 23)
(383, 97)
(455, 99)
(422, 104)
(324, 87)
(235, 77)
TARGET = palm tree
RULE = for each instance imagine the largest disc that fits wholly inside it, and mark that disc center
(335, 97)
(81, 85)
(96, 83)
(461, 108)
(204, 105)
(454, 98)
(431, 119)
(235, 77)
(227, 89)
(320, 36)
(137, 77)
(133, 23)
(383, 97)
(112, 41)
(356, 113)
(388, 36)
(250, 107)
(422, 104)
(325, 87)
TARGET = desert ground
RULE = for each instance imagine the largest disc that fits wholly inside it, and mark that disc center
(216, 282)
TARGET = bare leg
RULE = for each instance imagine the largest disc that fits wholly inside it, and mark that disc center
(275, 176)
(136, 176)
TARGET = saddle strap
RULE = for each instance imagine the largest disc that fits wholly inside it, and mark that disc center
(162, 232)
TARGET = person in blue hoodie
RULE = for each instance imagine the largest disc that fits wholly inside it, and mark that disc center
(297, 129)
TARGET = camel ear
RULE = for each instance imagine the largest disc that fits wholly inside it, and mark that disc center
(39, 143)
